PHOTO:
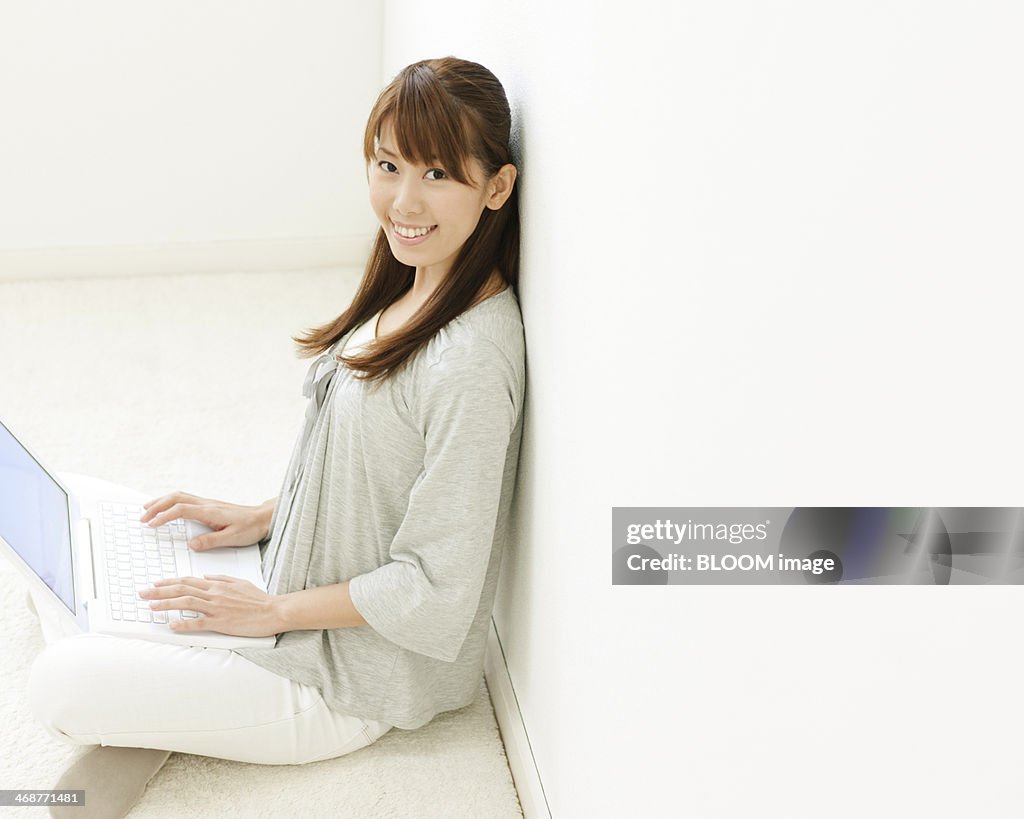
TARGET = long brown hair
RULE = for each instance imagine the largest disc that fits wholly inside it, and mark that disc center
(443, 109)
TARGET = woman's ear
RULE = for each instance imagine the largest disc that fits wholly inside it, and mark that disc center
(500, 186)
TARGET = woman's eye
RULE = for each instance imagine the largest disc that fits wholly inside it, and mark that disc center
(394, 168)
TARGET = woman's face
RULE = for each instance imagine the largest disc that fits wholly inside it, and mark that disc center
(410, 199)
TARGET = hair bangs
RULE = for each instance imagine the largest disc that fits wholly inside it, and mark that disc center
(429, 125)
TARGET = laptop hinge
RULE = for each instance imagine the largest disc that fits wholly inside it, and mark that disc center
(86, 531)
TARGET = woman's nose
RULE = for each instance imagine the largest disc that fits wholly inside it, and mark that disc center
(407, 197)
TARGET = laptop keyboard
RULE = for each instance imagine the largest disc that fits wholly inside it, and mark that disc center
(137, 555)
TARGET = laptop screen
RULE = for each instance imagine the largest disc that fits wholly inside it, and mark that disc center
(35, 518)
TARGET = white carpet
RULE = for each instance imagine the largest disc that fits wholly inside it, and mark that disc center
(192, 383)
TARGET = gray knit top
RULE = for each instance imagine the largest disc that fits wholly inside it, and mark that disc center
(404, 488)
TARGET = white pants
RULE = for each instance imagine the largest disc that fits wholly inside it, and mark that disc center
(93, 689)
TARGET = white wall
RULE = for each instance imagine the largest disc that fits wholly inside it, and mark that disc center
(175, 124)
(771, 257)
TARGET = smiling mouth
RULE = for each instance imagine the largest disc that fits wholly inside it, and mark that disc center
(411, 233)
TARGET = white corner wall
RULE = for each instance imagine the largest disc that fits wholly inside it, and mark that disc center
(215, 132)
(771, 257)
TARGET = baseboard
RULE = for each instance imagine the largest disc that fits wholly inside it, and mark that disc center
(513, 731)
(230, 256)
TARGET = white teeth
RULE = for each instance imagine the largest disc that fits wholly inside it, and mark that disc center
(411, 234)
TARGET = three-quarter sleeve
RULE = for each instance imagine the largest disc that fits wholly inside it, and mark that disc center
(425, 598)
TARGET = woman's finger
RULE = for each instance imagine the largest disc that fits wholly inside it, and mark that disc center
(159, 515)
(164, 501)
(181, 510)
(196, 624)
(214, 539)
(187, 602)
(154, 506)
(181, 583)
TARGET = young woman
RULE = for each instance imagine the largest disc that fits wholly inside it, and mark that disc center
(382, 550)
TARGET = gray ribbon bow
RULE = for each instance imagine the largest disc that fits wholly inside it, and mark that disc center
(314, 387)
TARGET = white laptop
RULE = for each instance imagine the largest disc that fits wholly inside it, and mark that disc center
(90, 554)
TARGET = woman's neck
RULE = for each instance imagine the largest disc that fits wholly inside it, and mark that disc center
(421, 289)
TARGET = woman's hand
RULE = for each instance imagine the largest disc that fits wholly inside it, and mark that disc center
(229, 605)
(233, 524)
